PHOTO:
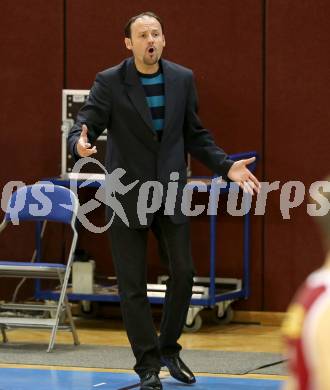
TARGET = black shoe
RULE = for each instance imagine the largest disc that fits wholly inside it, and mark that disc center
(150, 381)
(178, 369)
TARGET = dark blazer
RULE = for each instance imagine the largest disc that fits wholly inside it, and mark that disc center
(117, 102)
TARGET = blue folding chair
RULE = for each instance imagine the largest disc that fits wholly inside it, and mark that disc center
(41, 203)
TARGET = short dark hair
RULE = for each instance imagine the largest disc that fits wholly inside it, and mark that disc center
(127, 29)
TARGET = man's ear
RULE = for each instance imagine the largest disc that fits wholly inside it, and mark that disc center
(164, 43)
(128, 43)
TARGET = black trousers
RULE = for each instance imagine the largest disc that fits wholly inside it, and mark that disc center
(129, 248)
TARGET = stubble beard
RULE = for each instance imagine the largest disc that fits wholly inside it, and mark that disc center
(150, 61)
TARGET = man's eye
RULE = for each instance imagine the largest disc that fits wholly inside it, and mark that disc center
(156, 34)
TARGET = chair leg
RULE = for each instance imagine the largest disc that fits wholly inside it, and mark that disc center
(72, 325)
(61, 306)
(59, 312)
(54, 330)
(4, 335)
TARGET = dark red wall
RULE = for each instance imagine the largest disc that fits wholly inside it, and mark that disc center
(31, 79)
(262, 70)
(297, 136)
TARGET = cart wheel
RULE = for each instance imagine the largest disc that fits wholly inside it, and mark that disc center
(226, 318)
(88, 309)
(194, 326)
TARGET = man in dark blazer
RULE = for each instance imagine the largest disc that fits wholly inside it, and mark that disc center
(149, 106)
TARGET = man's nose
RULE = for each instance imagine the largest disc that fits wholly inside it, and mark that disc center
(150, 38)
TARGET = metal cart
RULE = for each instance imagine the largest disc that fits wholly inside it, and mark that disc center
(208, 292)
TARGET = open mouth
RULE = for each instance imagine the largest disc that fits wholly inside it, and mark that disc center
(151, 50)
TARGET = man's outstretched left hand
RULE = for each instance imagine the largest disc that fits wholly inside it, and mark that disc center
(240, 174)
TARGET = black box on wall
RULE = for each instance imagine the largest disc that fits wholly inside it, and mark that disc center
(72, 101)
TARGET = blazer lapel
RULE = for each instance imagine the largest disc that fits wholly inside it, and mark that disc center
(137, 95)
(170, 93)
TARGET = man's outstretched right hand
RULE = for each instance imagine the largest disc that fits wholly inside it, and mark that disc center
(83, 146)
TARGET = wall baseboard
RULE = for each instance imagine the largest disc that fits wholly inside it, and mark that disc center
(259, 317)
